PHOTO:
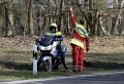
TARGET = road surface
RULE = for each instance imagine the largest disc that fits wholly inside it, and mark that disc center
(96, 78)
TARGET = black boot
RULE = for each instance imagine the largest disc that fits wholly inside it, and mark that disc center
(65, 66)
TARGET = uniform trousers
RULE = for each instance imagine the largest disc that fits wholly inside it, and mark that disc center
(78, 57)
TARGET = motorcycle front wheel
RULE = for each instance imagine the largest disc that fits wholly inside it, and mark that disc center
(48, 65)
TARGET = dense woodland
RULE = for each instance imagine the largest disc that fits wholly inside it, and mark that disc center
(30, 17)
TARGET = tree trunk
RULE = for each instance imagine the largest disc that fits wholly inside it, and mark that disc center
(118, 19)
(9, 21)
(30, 18)
(60, 15)
(121, 30)
(38, 29)
(49, 9)
(44, 21)
(102, 27)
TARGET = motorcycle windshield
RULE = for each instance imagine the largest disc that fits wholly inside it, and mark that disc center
(47, 41)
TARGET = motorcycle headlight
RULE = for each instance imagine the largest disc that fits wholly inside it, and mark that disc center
(45, 48)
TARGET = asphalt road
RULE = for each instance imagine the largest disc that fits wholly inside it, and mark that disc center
(97, 78)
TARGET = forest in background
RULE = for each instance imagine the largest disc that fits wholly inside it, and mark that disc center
(30, 17)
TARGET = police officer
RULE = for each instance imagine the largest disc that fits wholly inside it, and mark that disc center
(53, 31)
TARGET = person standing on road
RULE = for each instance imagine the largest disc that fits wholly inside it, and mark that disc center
(79, 36)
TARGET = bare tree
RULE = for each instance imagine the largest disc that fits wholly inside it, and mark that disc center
(9, 19)
(117, 19)
(30, 18)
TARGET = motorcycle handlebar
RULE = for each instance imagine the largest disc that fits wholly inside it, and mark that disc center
(58, 39)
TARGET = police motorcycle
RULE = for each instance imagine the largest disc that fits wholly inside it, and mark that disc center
(50, 56)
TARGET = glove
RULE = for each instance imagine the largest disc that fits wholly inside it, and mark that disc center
(71, 9)
(87, 49)
(71, 12)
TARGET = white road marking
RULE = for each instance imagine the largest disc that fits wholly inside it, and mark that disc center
(63, 77)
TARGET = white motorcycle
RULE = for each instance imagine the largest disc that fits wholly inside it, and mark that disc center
(49, 52)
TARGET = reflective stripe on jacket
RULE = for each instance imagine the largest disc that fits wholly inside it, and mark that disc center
(53, 34)
(77, 42)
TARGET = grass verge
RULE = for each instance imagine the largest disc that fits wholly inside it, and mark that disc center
(94, 62)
